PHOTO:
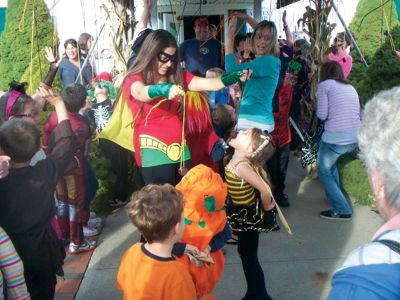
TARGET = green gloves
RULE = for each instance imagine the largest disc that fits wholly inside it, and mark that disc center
(161, 89)
(231, 78)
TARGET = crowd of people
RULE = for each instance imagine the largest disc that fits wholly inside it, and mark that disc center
(210, 139)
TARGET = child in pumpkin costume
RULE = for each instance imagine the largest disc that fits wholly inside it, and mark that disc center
(206, 228)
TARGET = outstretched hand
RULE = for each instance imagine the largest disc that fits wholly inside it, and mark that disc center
(50, 56)
(245, 75)
(175, 90)
(48, 95)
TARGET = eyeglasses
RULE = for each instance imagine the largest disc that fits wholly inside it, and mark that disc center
(165, 57)
(31, 115)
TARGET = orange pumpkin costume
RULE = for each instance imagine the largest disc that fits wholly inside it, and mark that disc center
(204, 193)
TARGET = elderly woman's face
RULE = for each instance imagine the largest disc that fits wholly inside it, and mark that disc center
(380, 195)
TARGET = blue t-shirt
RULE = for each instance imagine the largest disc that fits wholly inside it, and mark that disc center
(256, 103)
(218, 97)
(200, 59)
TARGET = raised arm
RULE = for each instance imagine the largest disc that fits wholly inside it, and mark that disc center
(229, 45)
(252, 22)
(288, 33)
(144, 19)
(63, 140)
(200, 84)
(48, 80)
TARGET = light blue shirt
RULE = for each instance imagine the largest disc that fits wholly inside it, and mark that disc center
(256, 103)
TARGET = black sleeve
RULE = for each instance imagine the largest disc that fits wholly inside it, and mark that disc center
(219, 240)
(65, 146)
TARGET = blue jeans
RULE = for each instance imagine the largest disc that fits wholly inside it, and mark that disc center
(329, 176)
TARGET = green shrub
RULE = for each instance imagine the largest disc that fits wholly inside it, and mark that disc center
(384, 69)
(382, 72)
(38, 74)
(355, 179)
(370, 35)
(105, 179)
(15, 46)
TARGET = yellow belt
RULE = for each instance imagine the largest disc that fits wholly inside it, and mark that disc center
(173, 151)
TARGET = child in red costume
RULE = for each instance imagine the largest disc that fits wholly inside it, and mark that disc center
(71, 187)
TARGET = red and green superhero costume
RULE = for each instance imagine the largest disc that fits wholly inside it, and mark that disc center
(157, 134)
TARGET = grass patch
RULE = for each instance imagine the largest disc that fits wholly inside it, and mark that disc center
(355, 179)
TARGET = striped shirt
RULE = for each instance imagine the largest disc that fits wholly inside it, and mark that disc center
(11, 269)
(239, 191)
(339, 106)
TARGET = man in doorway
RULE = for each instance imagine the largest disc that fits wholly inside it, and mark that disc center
(202, 52)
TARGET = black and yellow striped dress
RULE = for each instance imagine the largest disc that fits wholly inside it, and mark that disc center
(244, 209)
(240, 191)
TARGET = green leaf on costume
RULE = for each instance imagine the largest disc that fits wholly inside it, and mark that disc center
(202, 224)
(209, 203)
(187, 221)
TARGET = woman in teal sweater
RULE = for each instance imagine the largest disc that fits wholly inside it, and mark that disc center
(256, 104)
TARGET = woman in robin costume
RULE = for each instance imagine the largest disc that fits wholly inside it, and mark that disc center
(154, 88)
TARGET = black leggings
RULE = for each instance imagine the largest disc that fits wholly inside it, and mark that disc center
(248, 248)
(119, 159)
(163, 174)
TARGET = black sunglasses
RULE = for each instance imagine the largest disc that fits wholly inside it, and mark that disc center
(165, 57)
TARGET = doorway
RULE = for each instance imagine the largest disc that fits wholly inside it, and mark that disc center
(188, 26)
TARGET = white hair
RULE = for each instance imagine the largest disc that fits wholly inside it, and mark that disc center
(379, 140)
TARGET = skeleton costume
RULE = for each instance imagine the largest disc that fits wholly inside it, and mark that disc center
(101, 114)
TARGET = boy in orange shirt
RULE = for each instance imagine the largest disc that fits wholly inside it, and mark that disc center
(148, 271)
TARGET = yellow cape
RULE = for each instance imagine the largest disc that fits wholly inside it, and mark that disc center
(120, 127)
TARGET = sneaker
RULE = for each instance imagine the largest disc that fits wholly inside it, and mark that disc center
(283, 201)
(330, 215)
(84, 246)
(89, 231)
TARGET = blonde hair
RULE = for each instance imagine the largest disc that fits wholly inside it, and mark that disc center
(262, 145)
(274, 47)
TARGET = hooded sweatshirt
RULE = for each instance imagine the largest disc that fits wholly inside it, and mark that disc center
(370, 272)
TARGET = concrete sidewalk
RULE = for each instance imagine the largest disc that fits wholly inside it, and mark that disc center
(296, 267)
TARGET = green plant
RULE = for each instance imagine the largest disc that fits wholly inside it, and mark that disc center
(105, 179)
(38, 74)
(319, 29)
(355, 179)
(383, 71)
(375, 47)
(121, 17)
(16, 45)
(370, 35)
